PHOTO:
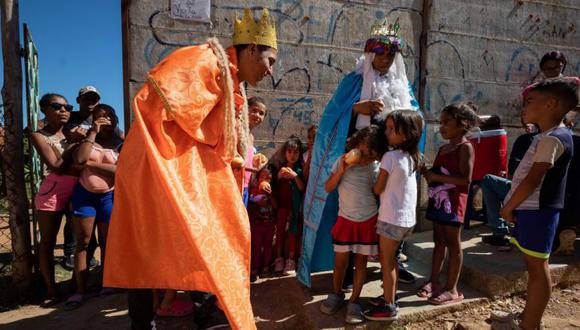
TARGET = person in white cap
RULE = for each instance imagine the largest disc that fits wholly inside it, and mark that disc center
(87, 99)
(82, 120)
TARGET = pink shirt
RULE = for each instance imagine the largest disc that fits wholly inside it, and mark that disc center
(94, 181)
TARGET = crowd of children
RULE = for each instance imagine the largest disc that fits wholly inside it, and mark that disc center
(368, 226)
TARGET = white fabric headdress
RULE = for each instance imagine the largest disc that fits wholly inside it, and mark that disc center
(391, 88)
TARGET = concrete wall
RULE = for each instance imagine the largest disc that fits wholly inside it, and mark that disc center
(484, 50)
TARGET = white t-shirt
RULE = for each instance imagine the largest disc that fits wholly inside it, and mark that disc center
(356, 200)
(544, 149)
(399, 199)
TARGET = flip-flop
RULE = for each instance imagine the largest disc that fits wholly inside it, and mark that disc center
(445, 298)
(428, 289)
(106, 291)
(179, 308)
(74, 302)
(49, 302)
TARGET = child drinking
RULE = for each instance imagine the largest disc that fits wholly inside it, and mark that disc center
(92, 198)
(354, 231)
(290, 186)
(456, 159)
(262, 217)
(397, 187)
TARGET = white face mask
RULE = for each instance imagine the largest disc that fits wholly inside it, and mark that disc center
(531, 129)
(552, 78)
(571, 119)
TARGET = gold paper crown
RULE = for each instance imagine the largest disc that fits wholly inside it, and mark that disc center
(382, 29)
(247, 30)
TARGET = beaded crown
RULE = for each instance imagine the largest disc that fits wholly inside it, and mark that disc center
(262, 32)
(384, 35)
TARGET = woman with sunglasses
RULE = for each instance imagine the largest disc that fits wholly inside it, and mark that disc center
(54, 194)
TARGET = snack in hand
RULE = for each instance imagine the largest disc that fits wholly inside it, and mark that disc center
(352, 157)
(238, 162)
(259, 161)
(265, 186)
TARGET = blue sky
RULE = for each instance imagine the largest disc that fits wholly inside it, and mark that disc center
(79, 43)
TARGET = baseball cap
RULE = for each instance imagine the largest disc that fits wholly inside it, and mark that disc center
(89, 89)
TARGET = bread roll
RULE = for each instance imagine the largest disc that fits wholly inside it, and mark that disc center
(237, 162)
(265, 186)
(352, 157)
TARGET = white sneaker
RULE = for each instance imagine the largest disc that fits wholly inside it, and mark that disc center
(290, 267)
(279, 265)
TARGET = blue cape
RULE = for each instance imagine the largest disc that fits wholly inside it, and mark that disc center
(321, 208)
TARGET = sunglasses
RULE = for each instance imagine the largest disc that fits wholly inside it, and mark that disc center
(58, 106)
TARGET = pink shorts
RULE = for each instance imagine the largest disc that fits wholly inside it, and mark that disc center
(55, 192)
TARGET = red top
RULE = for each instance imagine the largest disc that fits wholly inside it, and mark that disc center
(458, 196)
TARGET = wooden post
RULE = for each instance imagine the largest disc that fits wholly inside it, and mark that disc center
(13, 153)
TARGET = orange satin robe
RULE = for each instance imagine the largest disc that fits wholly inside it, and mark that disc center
(178, 219)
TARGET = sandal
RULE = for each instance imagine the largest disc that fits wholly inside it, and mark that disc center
(106, 291)
(49, 302)
(428, 289)
(179, 308)
(73, 302)
(445, 298)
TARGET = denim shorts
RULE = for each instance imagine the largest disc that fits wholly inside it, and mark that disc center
(87, 204)
(393, 232)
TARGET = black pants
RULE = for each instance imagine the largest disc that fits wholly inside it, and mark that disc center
(140, 303)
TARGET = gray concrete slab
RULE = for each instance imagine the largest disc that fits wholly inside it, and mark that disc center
(491, 271)
(283, 303)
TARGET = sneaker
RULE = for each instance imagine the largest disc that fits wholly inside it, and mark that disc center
(380, 300)
(279, 265)
(290, 267)
(332, 304)
(403, 257)
(495, 240)
(347, 288)
(253, 276)
(93, 264)
(354, 314)
(381, 313)
(69, 262)
(405, 276)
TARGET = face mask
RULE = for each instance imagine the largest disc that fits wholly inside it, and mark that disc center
(548, 79)
(531, 129)
(571, 119)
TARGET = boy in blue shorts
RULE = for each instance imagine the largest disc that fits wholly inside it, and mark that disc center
(537, 194)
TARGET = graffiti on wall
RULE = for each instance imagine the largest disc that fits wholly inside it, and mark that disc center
(321, 41)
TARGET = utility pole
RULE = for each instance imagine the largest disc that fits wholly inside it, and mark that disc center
(13, 153)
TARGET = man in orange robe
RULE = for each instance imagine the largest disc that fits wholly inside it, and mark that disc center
(179, 221)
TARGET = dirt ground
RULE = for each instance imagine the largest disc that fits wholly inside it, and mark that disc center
(563, 313)
(110, 312)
